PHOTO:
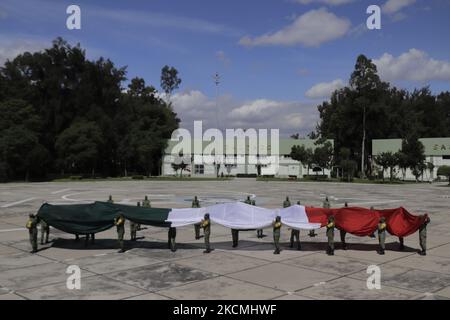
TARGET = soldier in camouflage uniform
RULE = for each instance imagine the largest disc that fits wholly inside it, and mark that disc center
(45, 231)
(373, 234)
(172, 234)
(382, 235)
(423, 235)
(33, 232)
(276, 234)
(119, 222)
(206, 225)
(330, 236)
(402, 245)
(197, 226)
(146, 203)
(235, 237)
(259, 232)
(343, 233)
(295, 235)
(134, 228)
(286, 203)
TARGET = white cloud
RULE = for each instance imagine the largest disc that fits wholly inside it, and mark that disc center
(324, 89)
(287, 116)
(329, 2)
(10, 48)
(414, 65)
(222, 57)
(310, 29)
(394, 6)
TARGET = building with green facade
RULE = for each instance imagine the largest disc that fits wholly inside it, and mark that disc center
(243, 160)
(437, 152)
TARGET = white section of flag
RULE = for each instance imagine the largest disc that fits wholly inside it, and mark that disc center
(241, 216)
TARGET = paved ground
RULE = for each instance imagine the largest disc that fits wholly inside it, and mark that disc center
(150, 271)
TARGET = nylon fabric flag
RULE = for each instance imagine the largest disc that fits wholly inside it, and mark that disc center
(99, 216)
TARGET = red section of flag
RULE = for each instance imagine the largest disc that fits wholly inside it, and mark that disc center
(364, 222)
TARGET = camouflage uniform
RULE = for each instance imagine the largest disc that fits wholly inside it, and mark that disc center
(330, 235)
(197, 226)
(33, 232)
(45, 230)
(119, 221)
(343, 233)
(423, 235)
(206, 225)
(259, 232)
(276, 234)
(295, 235)
(172, 235)
(235, 237)
(382, 235)
(286, 203)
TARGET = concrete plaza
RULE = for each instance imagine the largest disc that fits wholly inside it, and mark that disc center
(148, 270)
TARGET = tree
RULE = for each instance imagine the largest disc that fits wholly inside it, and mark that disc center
(323, 156)
(387, 160)
(414, 153)
(169, 80)
(78, 147)
(430, 167)
(303, 155)
(444, 171)
(47, 98)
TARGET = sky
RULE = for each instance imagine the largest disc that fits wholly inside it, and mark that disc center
(277, 59)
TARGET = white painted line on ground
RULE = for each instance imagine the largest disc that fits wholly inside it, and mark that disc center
(9, 230)
(60, 191)
(17, 202)
(100, 255)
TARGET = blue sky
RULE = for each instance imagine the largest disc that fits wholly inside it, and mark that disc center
(278, 59)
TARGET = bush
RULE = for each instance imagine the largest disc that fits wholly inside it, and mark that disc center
(246, 175)
(76, 177)
(444, 171)
(138, 177)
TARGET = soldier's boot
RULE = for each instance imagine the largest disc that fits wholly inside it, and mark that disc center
(292, 244)
(312, 233)
(207, 251)
(329, 250)
(401, 247)
(344, 246)
(423, 253)
(332, 252)
(77, 238)
(381, 251)
(299, 247)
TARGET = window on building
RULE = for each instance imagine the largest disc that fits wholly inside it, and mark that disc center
(199, 169)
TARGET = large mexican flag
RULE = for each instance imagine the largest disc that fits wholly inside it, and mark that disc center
(99, 216)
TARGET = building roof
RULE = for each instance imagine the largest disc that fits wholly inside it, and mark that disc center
(285, 146)
(433, 146)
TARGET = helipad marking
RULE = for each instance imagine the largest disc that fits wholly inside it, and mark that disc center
(60, 191)
(17, 202)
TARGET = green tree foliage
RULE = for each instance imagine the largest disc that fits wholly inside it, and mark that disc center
(444, 171)
(413, 151)
(64, 113)
(305, 156)
(169, 80)
(389, 112)
(387, 160)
